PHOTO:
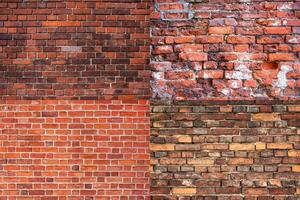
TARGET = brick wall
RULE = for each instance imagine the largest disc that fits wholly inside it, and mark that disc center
(240, 150)
(74, 115)
(225, 49)
(74, 91)
(70, 149)
(74, 49)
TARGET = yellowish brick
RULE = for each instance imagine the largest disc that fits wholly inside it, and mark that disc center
(162, 147)
(279, 146)
(241, 147)
(260, 146)
(225, 108)
(296, 168)
(275, 182)
(298, 190)
(184, 191)
(241, 161)
(266, 117)
(294, 108)
(184, 139)
(294, 153)
(200, 161)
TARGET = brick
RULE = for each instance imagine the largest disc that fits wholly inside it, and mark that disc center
(255, 191)
(294, 108)
(220, 30)
(240, 39)
(240, 161)
(266, 117)
(184, 191)
(184, 139)
(162, 147)
(277, 30)
(260, 146)
(193, 56)
(211, 74)
(294, 153)
(279, 146)
(241, 147)
(200, 161)
(296, 168)
(281, 57)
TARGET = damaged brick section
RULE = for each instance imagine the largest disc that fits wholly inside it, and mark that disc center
(208, 49)
(225, 150)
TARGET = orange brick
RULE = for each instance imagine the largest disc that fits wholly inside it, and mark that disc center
(296, 168)
(184, 191)
(241, 147)
(266, 117)
(162, 147)
(220, 30)
(240, 161)
(294, 153)
(279, 146)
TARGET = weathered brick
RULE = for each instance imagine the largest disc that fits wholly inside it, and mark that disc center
(242, 147)
(279, 146)
(240, 161)
(162, 147)
(266, 117)
(184, 191)
(294, 153)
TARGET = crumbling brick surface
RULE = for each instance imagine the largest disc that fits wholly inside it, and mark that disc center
(225, 151)
(74, 49)
(74, 150)
(225, 49)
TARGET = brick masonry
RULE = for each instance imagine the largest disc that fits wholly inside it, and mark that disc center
(225, 150)
(71, 149)
(74, 100)
(74, 49)
(225, 49)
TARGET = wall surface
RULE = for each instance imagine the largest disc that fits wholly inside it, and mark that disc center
(225, 49)
(71, 149)
(75, 89)
(74, 115)
(225, 151)
(74, 49)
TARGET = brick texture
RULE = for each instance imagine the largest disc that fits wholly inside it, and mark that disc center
(71, 149)
(221, 151)
(225, 49)
(74, 49)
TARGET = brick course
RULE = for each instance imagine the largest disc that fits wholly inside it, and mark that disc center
(221, 151)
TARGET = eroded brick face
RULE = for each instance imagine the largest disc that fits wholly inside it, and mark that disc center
(225, 151)
(56, 149)
(225, 49)
(74, 50)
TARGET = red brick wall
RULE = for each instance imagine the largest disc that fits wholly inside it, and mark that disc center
(71, 149)
(74, 84)
(225, 49)
(74, 49)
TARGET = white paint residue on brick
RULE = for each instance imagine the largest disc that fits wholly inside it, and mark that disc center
(187, 182)
(242, 73)
(281, 77)
(294, 40)
(285, 6)
(158, 75)
(225, 91)
(71, 48)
